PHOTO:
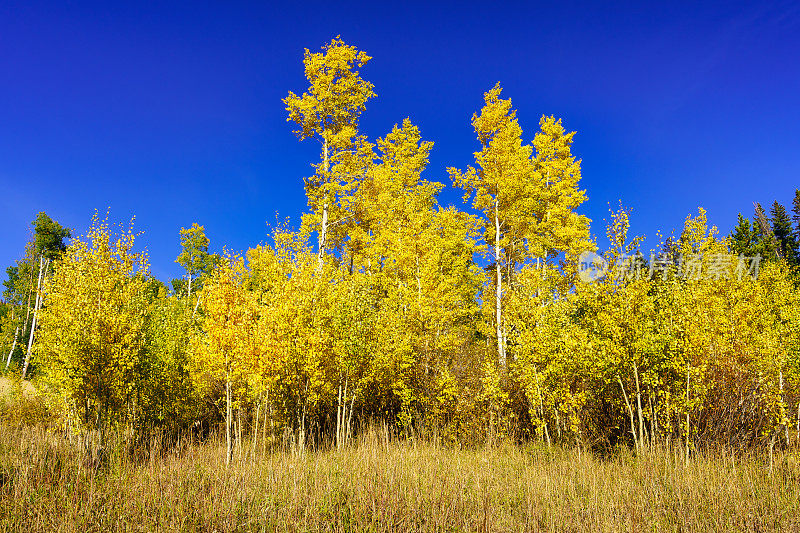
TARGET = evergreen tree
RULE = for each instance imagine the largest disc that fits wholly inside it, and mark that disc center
(767, 245)
(782, 229)
(744, 237)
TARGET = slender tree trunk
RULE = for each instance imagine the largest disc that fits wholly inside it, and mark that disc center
(630, 413)
(687, 414)
(419, 286)
(255, 430)
(239, 432)
(28, 304)
(344, 411)
(501, 348)
(541, 408)
(13, 345)
(772, 453)
(302, 438)
(189, 289)
(228, 417)
(639, 404)
(785, 417)
(349, 418)
(196, 305)
(342, 420)
(797, 437)
(323, 230)
(267, 413)
(339, 418)
(653, 420)
(35, 315)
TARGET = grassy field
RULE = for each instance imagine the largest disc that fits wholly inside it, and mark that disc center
(47, 484)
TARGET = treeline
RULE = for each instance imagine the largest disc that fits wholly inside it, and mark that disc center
(392, 316)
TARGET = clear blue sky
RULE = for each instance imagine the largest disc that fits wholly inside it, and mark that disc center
(172, 112)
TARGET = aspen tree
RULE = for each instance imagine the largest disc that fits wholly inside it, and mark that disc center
(528, 194)
(194, 256)
(92, 338)
(223, 355)
(328, 112)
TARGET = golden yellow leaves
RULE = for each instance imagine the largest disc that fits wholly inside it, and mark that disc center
(93, 324)
(336, 95)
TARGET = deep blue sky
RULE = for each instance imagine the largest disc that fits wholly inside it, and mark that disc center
(172, 112)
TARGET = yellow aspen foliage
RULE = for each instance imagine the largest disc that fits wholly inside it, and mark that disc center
(434, 320)
(418, 257)
(169, 398)
(528, 194)
(329, 111)
(294, 329)
(675, 345)
(222, 358)
(91, 347)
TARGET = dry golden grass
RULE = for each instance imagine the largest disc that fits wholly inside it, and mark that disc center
(47, 484)
(8, 386)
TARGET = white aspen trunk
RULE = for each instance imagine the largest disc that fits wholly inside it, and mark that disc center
(322, 235)
(28, 305)
(797, 438)
(653, 420)
(344, 414)
(772, 454)
(196, 305)
(302, 439)
(501, 349)
(189, 290)
(239, 431)
(786, 418)
(228, 416)
(630, 413)
(339, 418)
(35, 315)
(255, 431)
(687, 414)
(419, 285)
(323, 230)
(639, 404)
(267, 413)
(541, 409)
(349, 418)
(13, 345)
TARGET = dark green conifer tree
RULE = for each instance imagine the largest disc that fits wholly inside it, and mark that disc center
(766, 245)
(744, 238)
(784, 234)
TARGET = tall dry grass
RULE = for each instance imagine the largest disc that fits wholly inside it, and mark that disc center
(48, 483)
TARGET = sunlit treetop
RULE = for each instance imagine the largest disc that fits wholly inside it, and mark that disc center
(336, 94)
